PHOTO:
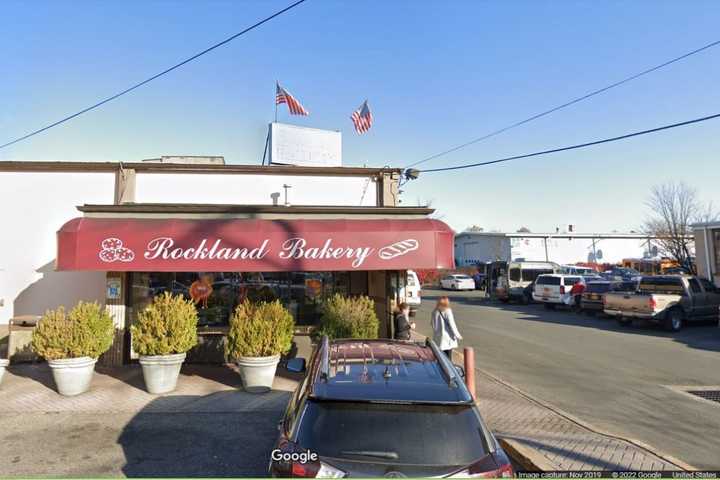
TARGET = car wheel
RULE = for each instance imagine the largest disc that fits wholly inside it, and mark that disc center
(673, 320)
(526, 299)
(549, 306)
(504, 300)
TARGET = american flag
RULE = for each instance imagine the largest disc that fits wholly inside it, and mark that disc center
(362, 118)
(283, 96)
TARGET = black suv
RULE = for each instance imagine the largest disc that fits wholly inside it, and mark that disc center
(384, 408)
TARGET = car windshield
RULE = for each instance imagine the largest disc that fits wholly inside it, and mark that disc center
(529, 275)
(408, 434)
(597, 287)
(625, 287)
(462, 277)
(671, 285)
(548, 280)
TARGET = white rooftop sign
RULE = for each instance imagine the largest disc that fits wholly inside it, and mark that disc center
(293, 145)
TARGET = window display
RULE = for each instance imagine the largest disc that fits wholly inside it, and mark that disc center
(216, 294)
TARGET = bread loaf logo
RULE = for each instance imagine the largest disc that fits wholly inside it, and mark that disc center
(398, 249)
(112, 250)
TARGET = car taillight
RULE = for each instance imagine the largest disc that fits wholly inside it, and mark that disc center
(652, 303)
(488, 468)
(505, 471)
(315, 470)
(288, 466)
(562, 290)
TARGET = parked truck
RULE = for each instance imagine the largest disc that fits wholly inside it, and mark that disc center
(670, 300)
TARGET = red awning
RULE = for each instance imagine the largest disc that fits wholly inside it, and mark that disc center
(249, 245)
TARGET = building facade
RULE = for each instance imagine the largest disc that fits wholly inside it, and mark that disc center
(473, 248)
(119, 234)
(707, 250)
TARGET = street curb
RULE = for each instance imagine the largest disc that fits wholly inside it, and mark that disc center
(638, 443)
(527, 457)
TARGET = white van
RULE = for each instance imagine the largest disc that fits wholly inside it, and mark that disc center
(576, 270)
(412, 292)
(551, 290)
(515, 284)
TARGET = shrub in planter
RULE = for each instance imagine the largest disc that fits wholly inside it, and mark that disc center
(349, 317)
(72, 342)
(163, 333)
(259, 333)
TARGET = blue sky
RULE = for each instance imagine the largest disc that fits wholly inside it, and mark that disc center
(436, 74)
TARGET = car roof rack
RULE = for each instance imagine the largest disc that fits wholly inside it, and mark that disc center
(444, 363)
(325, 358)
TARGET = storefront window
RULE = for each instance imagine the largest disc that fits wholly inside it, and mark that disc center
(217, 294)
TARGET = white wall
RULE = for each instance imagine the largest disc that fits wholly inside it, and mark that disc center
(569, 251)
(560, 250)
(252, 189)
(33, 206)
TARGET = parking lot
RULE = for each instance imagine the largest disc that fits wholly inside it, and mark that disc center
(625, 381)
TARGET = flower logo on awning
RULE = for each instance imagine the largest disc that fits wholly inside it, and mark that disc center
(113, 251)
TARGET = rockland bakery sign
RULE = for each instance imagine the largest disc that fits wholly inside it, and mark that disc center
(252, 245)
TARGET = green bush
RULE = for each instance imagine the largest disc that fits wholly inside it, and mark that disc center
(167, 326)
(86, 331)
(349, 317)
(259, 329)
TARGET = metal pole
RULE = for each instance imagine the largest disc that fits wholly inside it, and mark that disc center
(708, 263)
(470, 370)
(547, 259)
(277, 85)
(267, 139)
(595, 259)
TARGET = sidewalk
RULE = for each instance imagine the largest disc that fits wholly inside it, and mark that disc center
(555, 440)
(29, 388)
(191, 428)
(208, 427)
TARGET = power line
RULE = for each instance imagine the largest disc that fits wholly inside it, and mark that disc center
(574, 147)
(138, 85)
(567, 104)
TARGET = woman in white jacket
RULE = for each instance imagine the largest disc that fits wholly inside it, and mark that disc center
(445, 332)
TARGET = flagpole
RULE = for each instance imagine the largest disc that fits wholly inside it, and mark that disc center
(276, 88)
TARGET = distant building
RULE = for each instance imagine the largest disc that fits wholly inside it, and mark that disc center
(707, 250)
(472, 248)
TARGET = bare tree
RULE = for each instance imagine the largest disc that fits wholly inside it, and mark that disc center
(674, 207)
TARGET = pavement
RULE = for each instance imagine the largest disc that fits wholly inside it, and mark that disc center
(561, 391)
(208, 427)
(587, 393)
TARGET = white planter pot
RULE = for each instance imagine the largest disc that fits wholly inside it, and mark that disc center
(258, 373)
(161, 371)
(72, 375)
(4, 362)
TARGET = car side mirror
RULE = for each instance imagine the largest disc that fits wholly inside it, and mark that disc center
(461, 370)
(296, 365)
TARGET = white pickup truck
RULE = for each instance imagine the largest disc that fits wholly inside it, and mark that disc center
(670, 300)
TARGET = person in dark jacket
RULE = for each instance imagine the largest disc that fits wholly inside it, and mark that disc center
(403, 325)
